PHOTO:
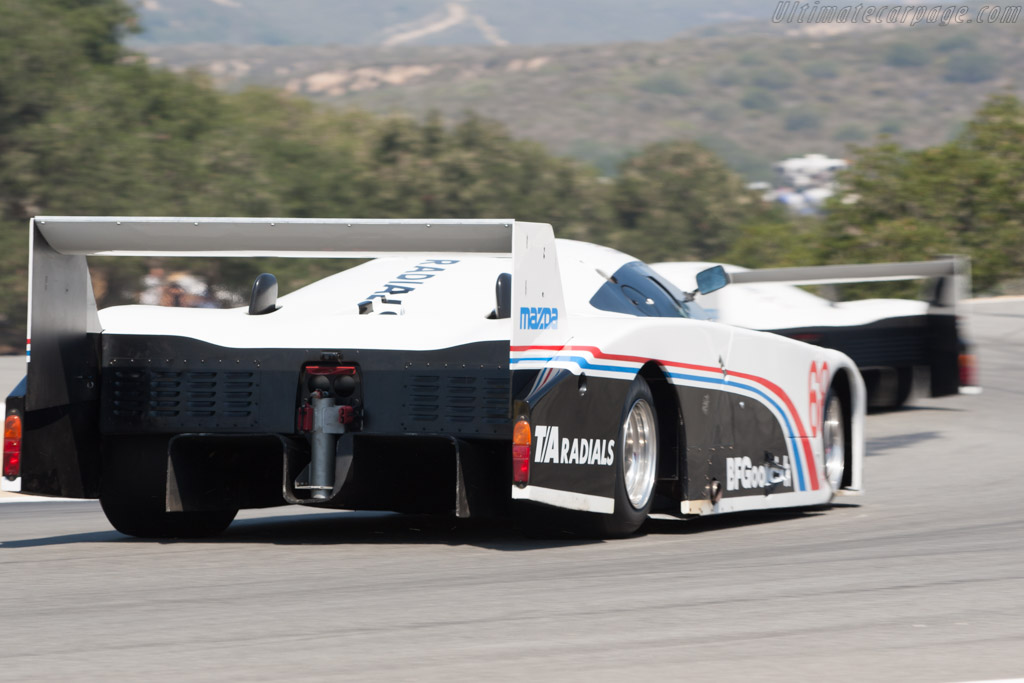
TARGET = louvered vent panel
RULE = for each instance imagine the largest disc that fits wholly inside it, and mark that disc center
(148, 399)
(456, 403)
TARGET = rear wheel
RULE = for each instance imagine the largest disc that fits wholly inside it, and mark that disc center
(833, 432)
(636, 463)
(904, 384)
(133, 493)
(143, 519)
(888, 388)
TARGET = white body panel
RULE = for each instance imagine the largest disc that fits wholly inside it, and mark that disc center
(327, 311)
(777, 306)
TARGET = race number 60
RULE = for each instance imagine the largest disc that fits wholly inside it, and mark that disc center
(817, 385)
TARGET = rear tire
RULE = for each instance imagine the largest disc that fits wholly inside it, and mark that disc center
(636, 463)
(904, 385)
(144, 520)
(888, 388)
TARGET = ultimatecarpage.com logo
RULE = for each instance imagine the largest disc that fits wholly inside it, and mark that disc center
(793, 12)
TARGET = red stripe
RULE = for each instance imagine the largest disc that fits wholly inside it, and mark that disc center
(812, 472)
(598, 353)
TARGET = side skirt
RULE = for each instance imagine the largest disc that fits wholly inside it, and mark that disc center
(748, 503)
(565, 499)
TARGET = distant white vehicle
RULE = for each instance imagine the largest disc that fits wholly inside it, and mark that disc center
(896, 343)
(810, 170)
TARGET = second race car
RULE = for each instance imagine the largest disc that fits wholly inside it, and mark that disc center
(899, 345)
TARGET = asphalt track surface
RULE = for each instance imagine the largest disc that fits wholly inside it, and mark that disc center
(921, 579)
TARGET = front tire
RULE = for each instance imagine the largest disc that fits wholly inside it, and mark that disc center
(833, 433)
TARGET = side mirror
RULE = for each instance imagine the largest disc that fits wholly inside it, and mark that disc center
(503, 296)
(712, 279)
(264, 295)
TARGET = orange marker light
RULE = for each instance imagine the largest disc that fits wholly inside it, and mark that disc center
(968, 370)
(12, 447)
(521, 453)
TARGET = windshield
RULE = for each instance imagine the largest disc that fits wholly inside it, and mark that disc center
(635, 289)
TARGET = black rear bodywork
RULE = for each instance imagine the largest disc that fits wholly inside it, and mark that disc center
(212, 427)
(177, 384)
(892, 353)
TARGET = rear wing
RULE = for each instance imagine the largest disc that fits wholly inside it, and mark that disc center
(63, 321)
(951, 277)
(286, 237)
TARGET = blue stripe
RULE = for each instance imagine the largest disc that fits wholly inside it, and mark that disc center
(587, 365)
(582, 362)
(766, 397)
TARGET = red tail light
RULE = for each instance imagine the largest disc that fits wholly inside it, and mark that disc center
(521, 453)
(12, 447)
(329, 370)
(968, 373)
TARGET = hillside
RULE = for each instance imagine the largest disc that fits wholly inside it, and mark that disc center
(753, 94)
(432, 22)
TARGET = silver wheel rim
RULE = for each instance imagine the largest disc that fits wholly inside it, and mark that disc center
(835, 443)
(640, 452)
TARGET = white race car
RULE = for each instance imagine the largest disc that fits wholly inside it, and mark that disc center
(896, 343)
(473, 367)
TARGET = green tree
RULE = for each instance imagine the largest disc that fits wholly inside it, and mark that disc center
(45, 47)
(776, 241)
(962, 197)
(679, 201)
